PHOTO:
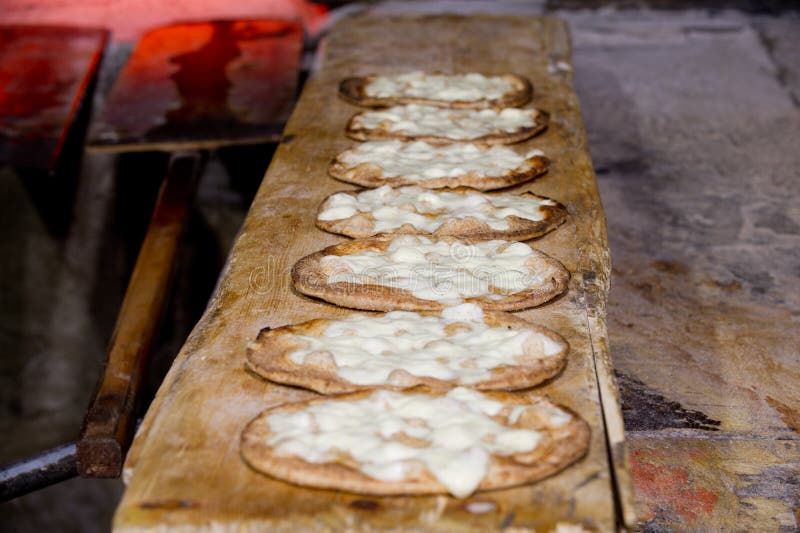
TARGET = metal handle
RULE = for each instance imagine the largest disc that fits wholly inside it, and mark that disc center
(37, 472)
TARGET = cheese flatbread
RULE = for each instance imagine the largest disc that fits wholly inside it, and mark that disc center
(397, 163)
(417, 442)
(408, 272)
(460, 212)
(427, 123)
(460, 346)
(457, 91)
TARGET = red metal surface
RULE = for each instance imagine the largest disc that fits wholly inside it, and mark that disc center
(204, 84)
(129, 19)
(44, 73)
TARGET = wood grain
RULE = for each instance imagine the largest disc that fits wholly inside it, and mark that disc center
(185, 469)
(110, 419)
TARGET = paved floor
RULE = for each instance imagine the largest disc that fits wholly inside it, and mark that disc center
(694, 127)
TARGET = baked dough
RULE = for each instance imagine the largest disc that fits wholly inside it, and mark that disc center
(457, 91)
(397, 163)
(408, 272)
(428, 123)
(462, 346)
(415, 442)
(460, 212)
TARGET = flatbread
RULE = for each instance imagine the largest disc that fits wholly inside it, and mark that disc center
(460, 212)
(429, 123)
(490, 284)
(397, 163)
(300, 450)
(421, 88)
(461, 347)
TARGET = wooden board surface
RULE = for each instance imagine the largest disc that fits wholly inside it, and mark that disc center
(44, 74)
(203, 85)
(184, 468)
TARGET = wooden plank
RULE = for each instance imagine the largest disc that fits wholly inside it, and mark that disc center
(595, 271)
(44, 74)
(202, 85)
(185, 467)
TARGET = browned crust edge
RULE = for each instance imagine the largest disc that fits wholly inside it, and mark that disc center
(520, 229)
(561, 447)
(309, 279)
(352, 90)
(368, 175)
(540, 121)
(268, 357)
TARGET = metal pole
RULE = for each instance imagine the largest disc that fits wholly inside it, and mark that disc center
(37, 472)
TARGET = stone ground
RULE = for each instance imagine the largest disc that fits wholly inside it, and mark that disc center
(694, 127)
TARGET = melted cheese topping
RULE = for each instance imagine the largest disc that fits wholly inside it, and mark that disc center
(420, 120)
(436, 270)
(422, 161)
(367, 350)
(427, 210)
(389, 433)
(457, 87)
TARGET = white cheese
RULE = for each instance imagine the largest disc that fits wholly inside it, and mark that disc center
(367, 349)
(557, 417)
(459, 124)
(427, 210)
(436, 270)
(458, 431)
(454, 87)
(422, 161)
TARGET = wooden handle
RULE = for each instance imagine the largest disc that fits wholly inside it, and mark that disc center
(109, 422)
